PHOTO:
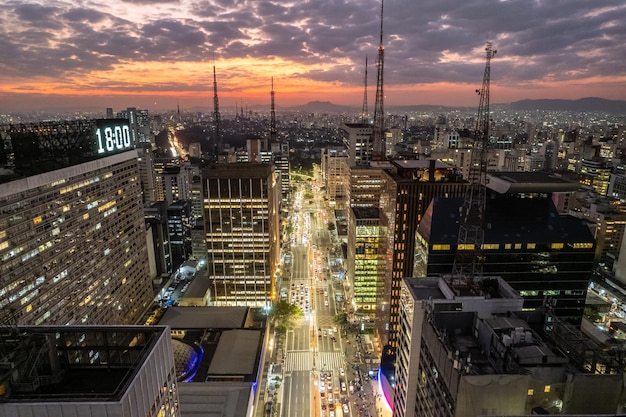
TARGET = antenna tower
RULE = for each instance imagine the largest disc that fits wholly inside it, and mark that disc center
(468, 262)
(273, 135)
(216, 115)
(379, 114)
(364, 114)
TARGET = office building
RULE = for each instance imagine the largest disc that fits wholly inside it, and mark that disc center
(72, 234)
(409, 187)
(88, 371)
(280, 153)
(159, 248)
(466, 349)
(139, 122)
(540, 253)
(357, 138)
(333, 169)
(145, 159)
(367, 266)
(180, 222)
(241, 221)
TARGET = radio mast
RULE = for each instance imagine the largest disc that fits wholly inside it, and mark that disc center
(468, 262)
(378, 153)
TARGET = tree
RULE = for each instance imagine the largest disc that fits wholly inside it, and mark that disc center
(331, 226)
(283, 314)
(340, 319)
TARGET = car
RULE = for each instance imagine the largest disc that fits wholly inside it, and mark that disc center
(324, 333)
(331, 406)
(326, 303)
(342, 372)
(346, 409)
(343, 386)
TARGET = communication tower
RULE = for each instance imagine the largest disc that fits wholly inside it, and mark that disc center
(364, 112)
(216, 116)
(379, 114)
(273, 134)
(468, 262)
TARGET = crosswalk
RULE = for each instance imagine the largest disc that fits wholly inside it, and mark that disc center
(331, 361)
(298, 361)
(303, 361)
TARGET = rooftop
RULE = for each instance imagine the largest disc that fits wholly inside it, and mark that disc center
(522, 220)
(528, 182)
(50, 363)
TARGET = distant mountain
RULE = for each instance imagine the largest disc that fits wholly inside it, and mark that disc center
(323, 107)
(588, 104)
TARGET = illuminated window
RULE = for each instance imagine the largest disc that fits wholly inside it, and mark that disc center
(518, 246)
(507, 246)
(441, 247)
(467, 246)
(490, 246)
(531, 391)
(546, 388)
(556, 246)
(530, 246)
(37, 220)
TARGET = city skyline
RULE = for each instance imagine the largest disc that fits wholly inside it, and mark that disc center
(158, 54)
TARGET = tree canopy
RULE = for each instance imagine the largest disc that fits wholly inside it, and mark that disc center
(283, 315)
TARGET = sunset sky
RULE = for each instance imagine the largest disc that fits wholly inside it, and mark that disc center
(153, 54)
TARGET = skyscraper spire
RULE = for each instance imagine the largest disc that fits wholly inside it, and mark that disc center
(273, 136)
(364, 114)
(216, 116)
(379, 113)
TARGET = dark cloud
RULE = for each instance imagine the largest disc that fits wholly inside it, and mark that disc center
(540, 39)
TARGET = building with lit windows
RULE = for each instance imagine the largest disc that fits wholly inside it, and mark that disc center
(333, 168)
(180, 222)
(241, 222)
(466, 349)
(72, 234)
(367, 261)
(357, 138)
(409, 187)
(540, 253)
(89, 371)
(596, 173)
(139, 122)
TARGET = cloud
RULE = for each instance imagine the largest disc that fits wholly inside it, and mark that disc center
(433, 41)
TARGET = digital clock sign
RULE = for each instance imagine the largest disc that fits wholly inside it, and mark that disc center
(113, 136)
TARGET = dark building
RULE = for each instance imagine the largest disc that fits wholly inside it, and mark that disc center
(179, 224)
(409, 186)
(159, 249)
(540, 253)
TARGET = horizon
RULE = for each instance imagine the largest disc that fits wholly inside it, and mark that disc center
(70, 56)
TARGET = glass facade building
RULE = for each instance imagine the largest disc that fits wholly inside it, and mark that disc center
(241, 203)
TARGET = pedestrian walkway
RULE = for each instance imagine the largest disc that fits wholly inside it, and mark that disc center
(298, 361)
(331, 361)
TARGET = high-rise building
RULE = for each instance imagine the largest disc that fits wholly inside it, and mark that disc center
(90, 371)
(409, 187)
(333, 167)
(180, 222)
(72, 233)
(241, 221)
(467, 349)
(139, 123)
(367, 263)
(357, 138)
(145, 158)
(541, 254)
(159, 248)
